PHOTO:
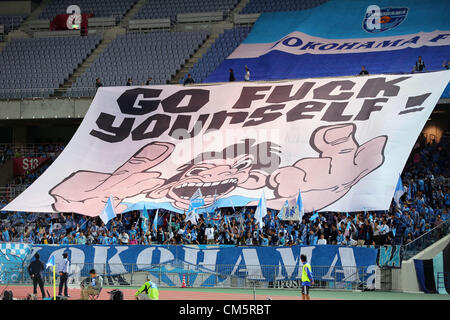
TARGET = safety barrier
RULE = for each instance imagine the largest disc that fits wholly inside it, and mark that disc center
(325, 277)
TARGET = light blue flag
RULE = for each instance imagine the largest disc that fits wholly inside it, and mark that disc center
(155, 222)
(281, 213)
(144, 213)
(261, 210)
(214, 205)
(50, 262)
(144, 225)
(314, 216)
(398, 191)
(196, 200)
(301, 208)
(108, 212)
(50, 230)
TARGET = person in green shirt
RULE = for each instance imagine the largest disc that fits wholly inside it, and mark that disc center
(148, 291)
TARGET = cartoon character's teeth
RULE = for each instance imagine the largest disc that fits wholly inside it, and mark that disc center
(191, 184)
(215, 183)
(207, 184)
(225, 181)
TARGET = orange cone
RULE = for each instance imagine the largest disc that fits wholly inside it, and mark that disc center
(183, 284)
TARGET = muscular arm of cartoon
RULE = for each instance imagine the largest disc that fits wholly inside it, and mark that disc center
(342, 162)
(87, 192)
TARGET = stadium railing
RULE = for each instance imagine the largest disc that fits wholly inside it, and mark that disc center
(420, 243)
(223, 276)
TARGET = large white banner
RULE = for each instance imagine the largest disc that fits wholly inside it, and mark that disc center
(341, 141)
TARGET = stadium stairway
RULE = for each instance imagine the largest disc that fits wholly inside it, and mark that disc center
(218, 29)
(130, 14)
(108, 36)
(25, 27)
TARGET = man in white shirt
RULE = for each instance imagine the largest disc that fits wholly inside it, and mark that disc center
(209, 232)
(322, 239)
(63, 270)
(124, 238)
(247, 74)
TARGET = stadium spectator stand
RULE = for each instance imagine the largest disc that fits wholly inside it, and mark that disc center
(100, 8)
(139, 56)
(11, 22)
(258, 6)
(156, 9)
(35, 67)
(424, 207)
(220, 49)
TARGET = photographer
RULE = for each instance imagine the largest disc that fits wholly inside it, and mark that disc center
(91, 286)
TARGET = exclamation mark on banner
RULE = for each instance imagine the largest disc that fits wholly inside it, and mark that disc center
(415, 102)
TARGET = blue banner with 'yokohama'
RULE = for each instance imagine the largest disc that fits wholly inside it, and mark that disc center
(219, 262)
(339, 37)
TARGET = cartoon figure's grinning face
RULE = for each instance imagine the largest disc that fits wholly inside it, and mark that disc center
(243, 165)
(215, 177)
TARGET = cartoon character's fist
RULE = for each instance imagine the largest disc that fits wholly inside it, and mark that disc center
(342, 162)
(86, 192)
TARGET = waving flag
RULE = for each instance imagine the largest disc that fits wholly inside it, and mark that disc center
(314, 216)
(261, 210)
(398, 191)
(281, 214)
(155, 222)
(300, 207)
(192, 216)
(214, 205)
(50, 262)
(108, 212)
(196, 200)
(144, 212)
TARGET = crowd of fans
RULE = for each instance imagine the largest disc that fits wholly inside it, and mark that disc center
(423, 206)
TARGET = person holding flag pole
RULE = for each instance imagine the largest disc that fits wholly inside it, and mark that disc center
(398, 191)
(51, 263)
(155, 223)
(261, 211)
(108, 212)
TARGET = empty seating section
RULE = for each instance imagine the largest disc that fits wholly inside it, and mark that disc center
(11, 22)
(258, 6)
(35, 67)
(139, 56)
(100, 8)
(155, 9)
(220, 49)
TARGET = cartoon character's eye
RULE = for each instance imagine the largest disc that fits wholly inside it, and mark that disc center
(243, 164)
(195, 171)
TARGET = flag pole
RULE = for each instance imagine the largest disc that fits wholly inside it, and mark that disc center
(54, 282)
